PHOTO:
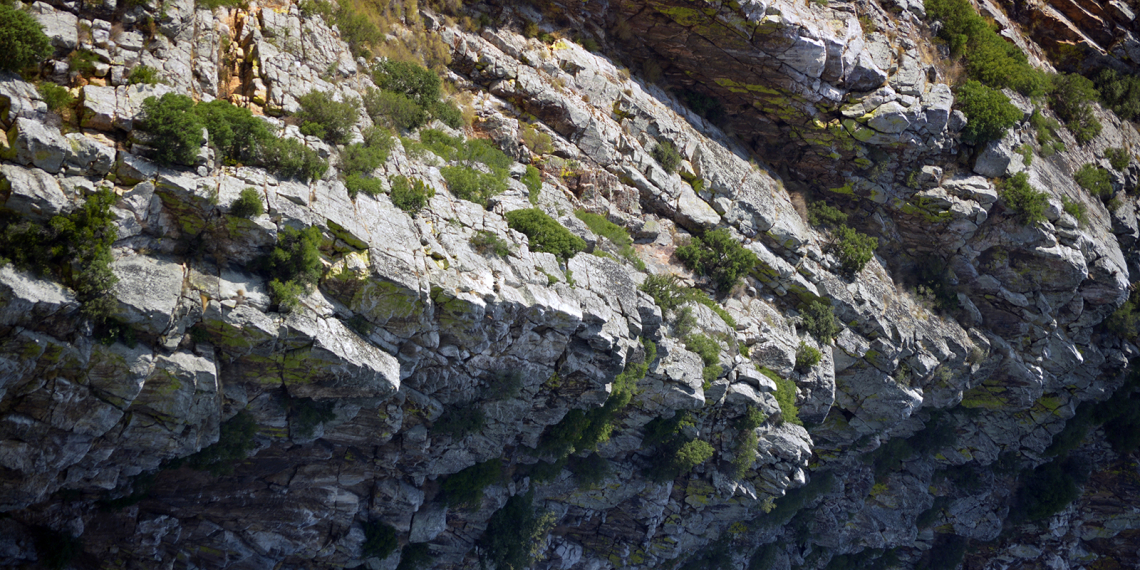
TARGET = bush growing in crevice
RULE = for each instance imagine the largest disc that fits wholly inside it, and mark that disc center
(514, 534)
(819, 321)
(719, 257)
(678, 450)
(1025, 202)
(806, 357)
(532, 179)
(1094, 179)
(1118, 158)
(1120, 92)
(545, 233)
(668, 295)
(709, 351)
(854, 249)
(486, 242)
(666, 155)
(1071, 99)
(589, 471)
(613, 232)
(820, 214)
(465, 488)
(408, 97)
(56, 97)
(415, 557)
(989, 112)
(785, 397)
(294, 265)
(1048, 489)
(379, 540)
(22, 39)
(744, 453)
(410, 195)
(990, 59)
(1047, 133)
(248, 204)
(326, 118)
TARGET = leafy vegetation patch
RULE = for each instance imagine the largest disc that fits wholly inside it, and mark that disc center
(666, 155)
(545, 233)
(819, 321)
(22, 39)
(294, 266)
(326, 118)
(465, 488)
(459, 421)
(514, 534)
(1071, 99)
(235, 441)
(613, 232)
(717, 256)
(990, 59)
(1094, 179)
(806, 357)
(486, 242)
(1025, 202)
(989, 112)
(709, 351)
(677, 450)
(248, 204)
(379, 540)
(410, 195)
(854, 249)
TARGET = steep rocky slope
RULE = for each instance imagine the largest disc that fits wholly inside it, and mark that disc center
(917, 421)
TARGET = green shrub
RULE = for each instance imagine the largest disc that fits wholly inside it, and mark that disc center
(676, 451)
(465, 488)
(793, 500)
(248, 204)
(822, 215)
(819, 321)
(533, 182)
(357, 30)
(580, 430)
(1094, 179)
(988, 111)
(143, 74)
(379, 540)
(667, 156)
(806, 357)
(410, 195)
(358, 183)
(1074, 208)
(514, 534)
(235, 132)
(1047, 490)
(325, 118)
(1119, 92)
(537, 141)
(22, 40)
(215, 4)
(55, 96)
(362, 159)
(744, 454)
(1071, 99)
(472, 185)
(1118, 158)
(305, 414)
(174, 130)
(294, 265)
(488, 242)
(613, 232)
(56, 549)
(855, 249)
(1047, 133)
(447, 113)
(786, 398)
(1025, 202)
(420, 84)
(691, 454)
(718, 257)
(415, 557)
(397, 109)
(83, 61)
(990, 59)
(665, 291)
(753, 418)
(289, 158)
(545, 233)
(590, 470)
(1125, 321)
(235, 441)
(460, 421)
(705, 347)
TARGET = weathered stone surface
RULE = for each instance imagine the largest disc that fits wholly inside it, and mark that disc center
(148, 291)
(32, 192)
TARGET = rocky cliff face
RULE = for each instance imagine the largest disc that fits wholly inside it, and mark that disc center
(917, 421)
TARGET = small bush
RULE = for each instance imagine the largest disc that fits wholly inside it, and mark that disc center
(718, 257)
(1074, 208)
(294, 265)
(514, 534)
(1025, 202)
(325, 118)
(410, 195)
(545, 233)
(396, 109)
(786, 398)
(289, 158)
(447, 113)
(1094, 179)
(55, 96)
(806, 357)
(357, 30)
(709, 351)
(235, 441)
(613, 232)
(465, 488)
(988, 111)
(362, 158)
(248, 204)
(83, 61)
(533, 182)
(990, 59)
(590, 470)
(855, 249)
(819, 321)
(143, 74)
(488, 242)
(677, 452)
(745, 454)
(1119, 92)
(667, 156)
(537, 141)
(472, 185)
(460, 421)
(1071, 99)
(665, 291)
(379, 540)
(822, 215)
(357, 184)
(1125, 321)
(1118, 158)
(409, 79)
(753, 418)
(1047, 133)
(22, 39)
(174, 130)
